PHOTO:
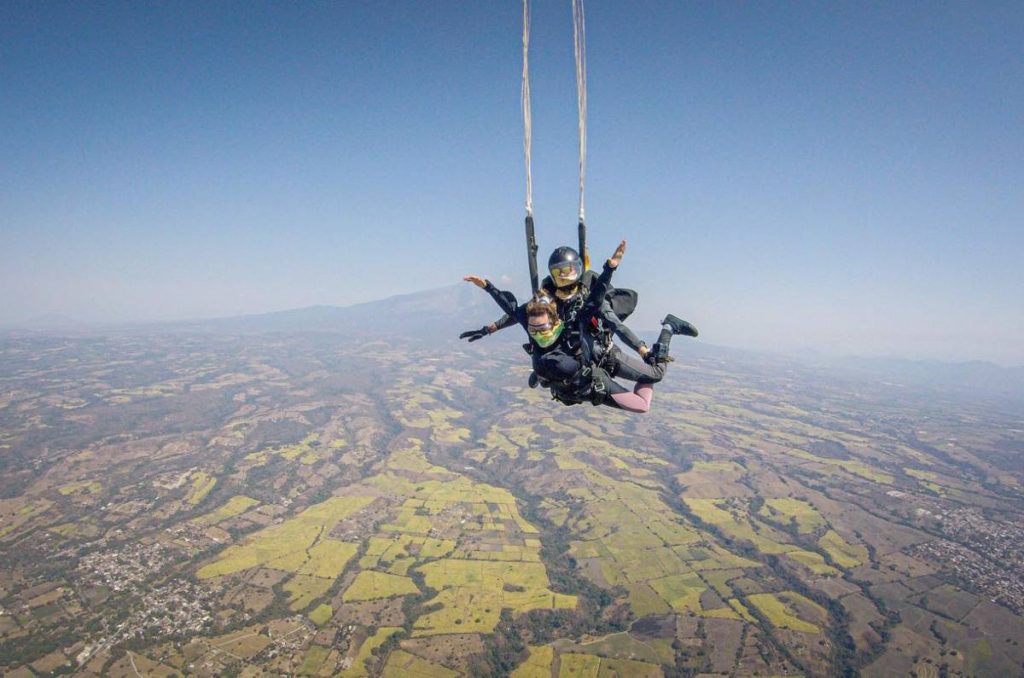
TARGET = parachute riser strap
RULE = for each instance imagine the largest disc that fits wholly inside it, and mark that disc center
(581, 232)
(579, 35)
(531, 239)
(531, 253)
(527, 117)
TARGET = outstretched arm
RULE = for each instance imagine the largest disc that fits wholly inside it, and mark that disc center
(603, 283)
(498, 325)
(598, 298)
(501, 323)
(505, 300)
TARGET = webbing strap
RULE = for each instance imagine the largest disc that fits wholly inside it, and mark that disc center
(527, 122)
(579, 36)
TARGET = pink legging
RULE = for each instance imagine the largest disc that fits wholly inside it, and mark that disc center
(638, 401)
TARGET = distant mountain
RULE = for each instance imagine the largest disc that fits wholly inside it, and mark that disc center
(969, 377)
(442, 311)
(52, 322)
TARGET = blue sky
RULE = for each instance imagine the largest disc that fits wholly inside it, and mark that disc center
(845, 177)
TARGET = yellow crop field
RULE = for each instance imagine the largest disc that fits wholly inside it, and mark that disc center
(441, 429)
(270, 546)
(537, 664)
(459, 490)
(709, 511)
(673, 533)
(616, 668)
(488, 574)
(589, 549)
(291, 452)
(402, 565)
(537, 599)
(407, 521)
(65, 529)
(328, 557)
(714, 512)
(720, 613)
(681, 591)
(509, 552)
(853, 467)
(402, 664)
(779, 614)
(495, 440)
(321, 615)
(472, 593)
(84, 487)
(578, 665)
(718, 466)
(921, 475)
(464, 610)
(257, 458)
(639, 565)
(202, 484)
(237, 505)
(741, 610)
(303, 589)
(713, 558)
(418, 408)
(784, 509)
(719, 580)
(812, 561)
(284, 546)
(376, 546)
(369, 584)
(865, 471)
(929, 479)
(358, 667)
(844, 555)
(637, 538)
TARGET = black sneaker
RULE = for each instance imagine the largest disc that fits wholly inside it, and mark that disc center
(533, 380)
(658, 354)
(679, 326)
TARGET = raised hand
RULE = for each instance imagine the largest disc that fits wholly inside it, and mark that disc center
(614, 260)
(476, 280)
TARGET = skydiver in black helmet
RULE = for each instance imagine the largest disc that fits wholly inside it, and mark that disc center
(577, 360)
(569, 285)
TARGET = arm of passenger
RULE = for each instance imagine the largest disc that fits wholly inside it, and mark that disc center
(507, 320)
(505, 300)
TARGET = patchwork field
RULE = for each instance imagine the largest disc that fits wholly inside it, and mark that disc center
(300, 505)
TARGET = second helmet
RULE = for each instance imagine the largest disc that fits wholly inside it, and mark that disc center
(565, 266)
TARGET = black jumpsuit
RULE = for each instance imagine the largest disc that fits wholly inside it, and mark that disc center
(576, 365)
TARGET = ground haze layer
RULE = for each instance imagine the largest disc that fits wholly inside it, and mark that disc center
(314, 504)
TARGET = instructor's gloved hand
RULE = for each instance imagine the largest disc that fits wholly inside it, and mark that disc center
(473, 335)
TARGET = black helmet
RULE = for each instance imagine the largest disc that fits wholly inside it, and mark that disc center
(565, 266)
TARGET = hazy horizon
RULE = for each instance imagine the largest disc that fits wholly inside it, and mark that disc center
(844, 179)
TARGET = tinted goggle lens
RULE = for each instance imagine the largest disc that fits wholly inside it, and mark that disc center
(566, 271)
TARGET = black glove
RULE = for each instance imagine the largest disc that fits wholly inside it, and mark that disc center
(473, 335)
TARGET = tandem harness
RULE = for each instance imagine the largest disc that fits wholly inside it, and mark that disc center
(592, 381)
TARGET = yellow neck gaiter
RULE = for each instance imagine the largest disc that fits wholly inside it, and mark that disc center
(547, 337)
